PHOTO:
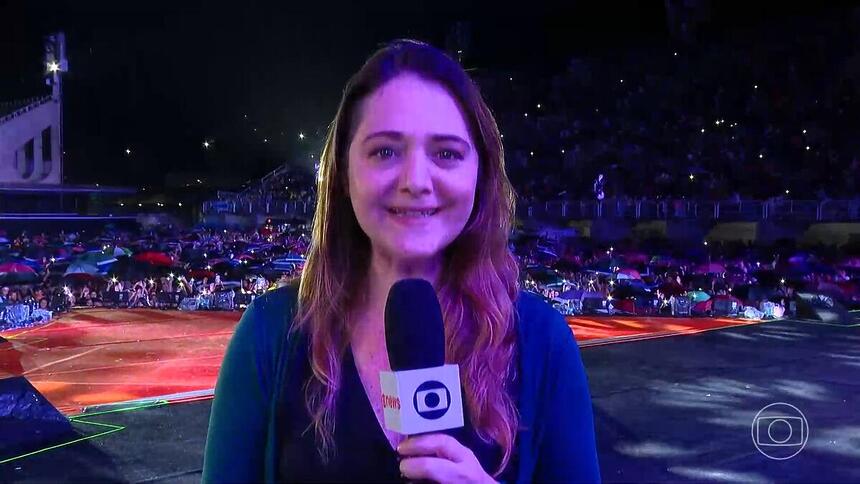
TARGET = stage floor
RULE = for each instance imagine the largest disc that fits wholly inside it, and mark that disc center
(98, 356)
(102, 356)
(667, 409)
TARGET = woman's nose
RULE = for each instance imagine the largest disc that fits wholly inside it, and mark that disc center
(415, 176)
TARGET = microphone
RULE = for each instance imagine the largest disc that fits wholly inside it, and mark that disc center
(421, 394)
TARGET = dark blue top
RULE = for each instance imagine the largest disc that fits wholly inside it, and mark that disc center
(364, 453)
(258, 413)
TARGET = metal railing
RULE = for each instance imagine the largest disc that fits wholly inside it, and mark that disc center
(250, 207)
(15, 109)
(564, 211)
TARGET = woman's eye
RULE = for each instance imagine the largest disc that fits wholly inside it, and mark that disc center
(386, 153)
(451, 155)
(383, 153)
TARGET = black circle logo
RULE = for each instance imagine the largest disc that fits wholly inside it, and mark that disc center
(432, 400)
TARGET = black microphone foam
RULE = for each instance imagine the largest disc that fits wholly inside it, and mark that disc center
(414, 332)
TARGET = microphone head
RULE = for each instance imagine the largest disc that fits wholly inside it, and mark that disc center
(414, 332)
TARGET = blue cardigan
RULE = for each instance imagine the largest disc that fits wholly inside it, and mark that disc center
(557, 445)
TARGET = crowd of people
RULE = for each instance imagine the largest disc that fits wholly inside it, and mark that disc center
(45, 274)
(758, 116)
(762, 116)
(226, 269)
(648, 278)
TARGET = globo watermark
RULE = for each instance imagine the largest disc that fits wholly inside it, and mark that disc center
(780, 431)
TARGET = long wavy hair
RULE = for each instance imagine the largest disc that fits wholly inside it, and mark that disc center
(479, 281)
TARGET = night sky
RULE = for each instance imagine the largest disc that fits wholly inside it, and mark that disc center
(159, 78)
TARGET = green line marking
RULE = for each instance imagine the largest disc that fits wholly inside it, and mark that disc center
(113, 428)
(80, 419)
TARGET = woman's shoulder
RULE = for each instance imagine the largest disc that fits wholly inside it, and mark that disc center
(275, 308)
(540, 325)
(282, 297)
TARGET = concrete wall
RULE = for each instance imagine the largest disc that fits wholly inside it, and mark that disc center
(16, 131)
(734, 232)
(831, 233)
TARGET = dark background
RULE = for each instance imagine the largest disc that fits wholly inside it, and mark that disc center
(159, 78)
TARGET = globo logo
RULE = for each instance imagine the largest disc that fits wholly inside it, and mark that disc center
(432, 400)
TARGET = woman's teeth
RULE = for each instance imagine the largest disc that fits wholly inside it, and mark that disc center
(413, 213)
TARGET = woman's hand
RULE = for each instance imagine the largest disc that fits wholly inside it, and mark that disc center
(440, 458)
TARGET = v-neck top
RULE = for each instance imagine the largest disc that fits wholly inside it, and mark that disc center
(364, 453)
(258, 415)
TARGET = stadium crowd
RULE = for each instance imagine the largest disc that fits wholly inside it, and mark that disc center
(211, 269)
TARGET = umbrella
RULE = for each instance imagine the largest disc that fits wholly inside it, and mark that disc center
(200, 274)
(698, 296)
(16, 267)
(800, 258)
(711, 268)
(702, 307)
(546, 256)
(35, 264)
(10, 278)
(625, 306)
(79, 278)
(36, 252)
(601, 266)
(625, 291)
(661, 260)
(727, 297)
(628, 273)
(154, 258)
(579, 294)
(96, 258)
(119, 252)
(81, 268)
(671, 289)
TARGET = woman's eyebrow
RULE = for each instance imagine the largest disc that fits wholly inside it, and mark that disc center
(397, 135)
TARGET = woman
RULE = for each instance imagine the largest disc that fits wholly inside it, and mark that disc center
(298, 396)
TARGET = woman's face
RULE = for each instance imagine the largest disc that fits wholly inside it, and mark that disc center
(412, 149)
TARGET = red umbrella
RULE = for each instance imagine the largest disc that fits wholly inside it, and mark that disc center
(201, 273)
(702, 307)
(16, 267)
(727, 297)
(625, 305)
(672, 289)
(154, 258)
(712, 268)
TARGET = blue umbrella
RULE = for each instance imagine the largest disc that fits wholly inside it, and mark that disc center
(78, 267)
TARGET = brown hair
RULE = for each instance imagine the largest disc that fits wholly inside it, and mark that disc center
(479, 282)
